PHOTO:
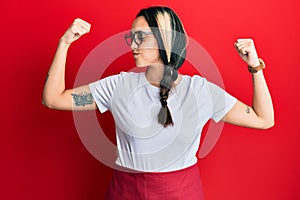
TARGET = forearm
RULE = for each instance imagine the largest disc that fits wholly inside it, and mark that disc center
(55, 82)
(262, 101)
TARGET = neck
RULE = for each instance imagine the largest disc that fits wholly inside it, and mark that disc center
(154, 74)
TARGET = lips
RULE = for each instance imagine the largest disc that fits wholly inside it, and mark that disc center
(136, 53)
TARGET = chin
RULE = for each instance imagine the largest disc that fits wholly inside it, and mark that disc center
(140, 64)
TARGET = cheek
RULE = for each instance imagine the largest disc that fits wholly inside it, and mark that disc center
(148, 57)
(149, 53)
(151, 56)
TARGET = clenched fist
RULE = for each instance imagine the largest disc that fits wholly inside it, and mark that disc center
(247, 51)
(78, 28)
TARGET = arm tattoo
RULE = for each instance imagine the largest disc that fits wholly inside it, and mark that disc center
(248, 110)
(83, 98)
(47, 78)
(253, 82)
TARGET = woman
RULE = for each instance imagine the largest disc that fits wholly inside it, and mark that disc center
(160, 113)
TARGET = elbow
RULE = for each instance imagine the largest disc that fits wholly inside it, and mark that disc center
(48, 102)
(268, 124)
(45, 100)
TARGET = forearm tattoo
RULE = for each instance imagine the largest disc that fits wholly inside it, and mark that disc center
(83, 99)
(248, 109)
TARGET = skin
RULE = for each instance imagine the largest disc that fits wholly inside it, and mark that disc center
(147, 54)
(260, 115)
(55, 95)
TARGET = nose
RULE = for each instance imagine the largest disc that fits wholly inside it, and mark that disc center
(133, 45)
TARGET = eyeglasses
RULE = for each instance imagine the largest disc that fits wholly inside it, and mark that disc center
(137, 37)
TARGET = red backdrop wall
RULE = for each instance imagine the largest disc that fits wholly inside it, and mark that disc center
(42, 156)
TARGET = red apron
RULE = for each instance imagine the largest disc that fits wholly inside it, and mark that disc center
(183, 184)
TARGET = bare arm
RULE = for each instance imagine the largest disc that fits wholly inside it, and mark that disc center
(55, 94)
(261, 113)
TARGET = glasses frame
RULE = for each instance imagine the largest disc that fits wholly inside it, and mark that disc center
(132, 37)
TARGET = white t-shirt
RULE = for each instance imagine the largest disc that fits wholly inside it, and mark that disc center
(142, 143)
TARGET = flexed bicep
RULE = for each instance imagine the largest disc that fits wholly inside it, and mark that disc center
(244, 115)
(79, 98)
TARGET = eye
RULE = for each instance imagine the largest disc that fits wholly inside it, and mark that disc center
(139, 36)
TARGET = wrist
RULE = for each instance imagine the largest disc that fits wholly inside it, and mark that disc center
(257, 63)
(258, 67)
(63, 44)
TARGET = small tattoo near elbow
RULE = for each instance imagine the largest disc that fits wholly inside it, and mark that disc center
(248, 109)
(83, 99)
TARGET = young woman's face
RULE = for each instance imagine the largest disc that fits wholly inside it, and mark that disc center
(146, 53)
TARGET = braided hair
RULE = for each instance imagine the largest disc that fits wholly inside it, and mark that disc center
(172, 41)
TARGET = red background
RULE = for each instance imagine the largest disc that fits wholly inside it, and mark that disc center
(42, 156)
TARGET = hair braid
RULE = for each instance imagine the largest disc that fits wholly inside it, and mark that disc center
(170, 35)
(164, 116)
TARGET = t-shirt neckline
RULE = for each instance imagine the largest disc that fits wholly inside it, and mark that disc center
(157, 88)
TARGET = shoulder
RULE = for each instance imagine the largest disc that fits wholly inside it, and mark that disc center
(195, 81)
(117, 77)
(128, 75)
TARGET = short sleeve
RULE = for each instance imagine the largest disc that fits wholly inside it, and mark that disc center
(221, 101)
(102, 91)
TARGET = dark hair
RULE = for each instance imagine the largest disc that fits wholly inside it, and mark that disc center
(171, 38)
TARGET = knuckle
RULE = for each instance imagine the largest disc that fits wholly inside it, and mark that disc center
(74, 23)
(73, 28)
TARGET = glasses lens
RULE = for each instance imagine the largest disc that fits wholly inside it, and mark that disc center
(138, 37)
(128, 39)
